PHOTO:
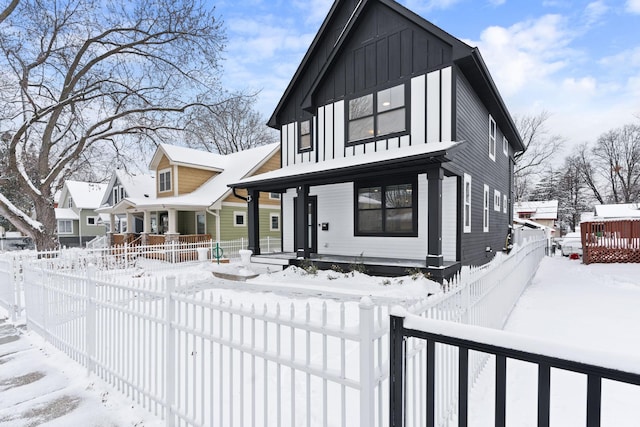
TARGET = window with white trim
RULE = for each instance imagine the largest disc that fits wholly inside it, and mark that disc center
(65, 226)
(485, 210)
(70, 202)
(92, 220)
(305, 136)
(164, 180)
(467, 204)
(505, 146)
(375, 114)
(504, 203)
(239, 219)
(496, 200)
(492, 138)
(274, 222)
(274, 196)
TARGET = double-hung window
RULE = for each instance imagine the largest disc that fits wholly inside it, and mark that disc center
(305, 136)
(496, 200)
(164, 180)
(505, 146)
(65, 226)
(377, 114)
(492, 138)
(504, 203)
(485, 210)
(386, 209)
(467, 204)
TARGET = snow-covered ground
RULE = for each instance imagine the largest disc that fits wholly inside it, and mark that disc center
(589, 306)
(593, 306)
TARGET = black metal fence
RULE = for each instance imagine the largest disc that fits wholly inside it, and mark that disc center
(456, 335)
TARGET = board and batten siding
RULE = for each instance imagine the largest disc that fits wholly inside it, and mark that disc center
(429, 110)
(472, 127)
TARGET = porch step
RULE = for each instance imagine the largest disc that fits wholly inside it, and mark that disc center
(257, 259)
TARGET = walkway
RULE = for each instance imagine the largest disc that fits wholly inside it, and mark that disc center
(41, 386)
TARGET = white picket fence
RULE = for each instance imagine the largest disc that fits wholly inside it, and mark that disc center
(198, 361)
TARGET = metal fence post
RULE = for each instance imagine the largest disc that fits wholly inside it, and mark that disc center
(90, 321)
(396, 372)
(169, 358)
(367, 368)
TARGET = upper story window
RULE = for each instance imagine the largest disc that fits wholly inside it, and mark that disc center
(485, 210)
(492, 138)
(505, 146)
(504, 203)
(386, 209)
(305, 136)
(164, 180)
(70, 202)
(376, 114)
(274, 196)
(118, 193)
(496, 200)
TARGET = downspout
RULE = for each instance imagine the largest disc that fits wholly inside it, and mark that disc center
(80, 227)
(246, 199)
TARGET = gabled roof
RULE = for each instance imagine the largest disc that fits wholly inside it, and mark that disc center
(466, 57)
(188, 157)
(539, 209)
(233, 167)
(135, 185)
(85, 195)
(66, 213)
(621, 210)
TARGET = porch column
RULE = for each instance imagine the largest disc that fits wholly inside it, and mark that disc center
(112, 229)
(301, 226)
(146, 227)
(434, 224)
(173, 221)
(253, 226)
(131, 223)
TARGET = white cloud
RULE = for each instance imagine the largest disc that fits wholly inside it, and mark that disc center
(585, 86)
(497, 2)
(595, 11)
(633, 6)
(314, 11)
(421, 6)
(526, 53)
(625, 59)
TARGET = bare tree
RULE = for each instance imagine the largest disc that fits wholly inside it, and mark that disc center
(4, 14)
(617, 157)
(83, 75)
(583, 161)
(233, 125)
(540, 148)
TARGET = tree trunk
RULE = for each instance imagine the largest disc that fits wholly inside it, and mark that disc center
(47, 239)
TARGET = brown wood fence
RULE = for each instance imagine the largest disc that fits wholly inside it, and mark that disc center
(610, 241)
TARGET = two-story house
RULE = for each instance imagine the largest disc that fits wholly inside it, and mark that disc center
(397, 147)
(188, 198)
(77, 219)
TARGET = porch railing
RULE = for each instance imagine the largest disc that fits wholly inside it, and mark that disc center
(611, 241)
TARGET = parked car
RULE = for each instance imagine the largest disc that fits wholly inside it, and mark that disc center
(571, 244)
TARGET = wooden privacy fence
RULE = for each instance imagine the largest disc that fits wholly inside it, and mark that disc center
(202, 361)
(611, 241)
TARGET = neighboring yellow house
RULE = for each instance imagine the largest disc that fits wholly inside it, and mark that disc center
(192, 200)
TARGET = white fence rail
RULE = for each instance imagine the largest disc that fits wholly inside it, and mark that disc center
(198, 361)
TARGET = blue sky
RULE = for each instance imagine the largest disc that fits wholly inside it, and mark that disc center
(579, 60)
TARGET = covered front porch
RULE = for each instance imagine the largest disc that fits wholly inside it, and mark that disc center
(322, 201)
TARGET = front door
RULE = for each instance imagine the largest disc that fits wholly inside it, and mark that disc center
(312, 223)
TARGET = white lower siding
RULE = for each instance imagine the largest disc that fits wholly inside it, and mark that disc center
(336, 207)
(449, 217)
(288, 220)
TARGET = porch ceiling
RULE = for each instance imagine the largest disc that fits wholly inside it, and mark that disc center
(406, 160)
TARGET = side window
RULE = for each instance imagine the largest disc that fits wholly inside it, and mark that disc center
(274, 222)
(239, 219)
(305, 136)
(467, 203)
(492, 138)
(496, 200)
(505, 146)
(485, 210)
(504, 203)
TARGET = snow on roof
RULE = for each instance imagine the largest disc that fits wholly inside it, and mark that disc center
(137, 185)
(529, 223)
(85, 195)
(187, 157)
(621, 210)
(539, 209)
(66, 213)
(337, 164)
(234, 167)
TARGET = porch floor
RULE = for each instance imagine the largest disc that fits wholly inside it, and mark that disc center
(375, 265)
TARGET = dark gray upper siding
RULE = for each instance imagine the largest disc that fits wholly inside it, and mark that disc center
(472, 126)
(383, 47)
